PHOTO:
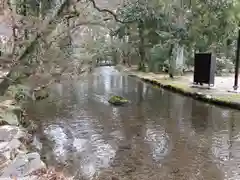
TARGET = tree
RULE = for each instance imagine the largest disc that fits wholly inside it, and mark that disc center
(48, 29)
(155, 31)
(183, 26)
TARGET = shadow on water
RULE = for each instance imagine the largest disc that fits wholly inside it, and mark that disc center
(159, 135)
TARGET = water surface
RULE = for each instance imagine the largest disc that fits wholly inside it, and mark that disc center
(158, 136)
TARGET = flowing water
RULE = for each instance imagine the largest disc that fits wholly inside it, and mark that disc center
(158, 136)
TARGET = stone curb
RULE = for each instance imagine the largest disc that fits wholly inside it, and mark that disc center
(194, 95)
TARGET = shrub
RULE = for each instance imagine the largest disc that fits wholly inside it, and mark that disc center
(224, 65)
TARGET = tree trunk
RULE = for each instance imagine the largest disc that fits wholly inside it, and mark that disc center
(141, 66)
(171, 64)
(68, 28)
(14, 40)
(228, 48)
(114, 51)
(40, 7)
(178, 58)
(24, 12)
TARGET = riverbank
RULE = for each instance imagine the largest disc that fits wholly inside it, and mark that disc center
(19, 156)
(19, 148)
(218, 95)
(14, 141)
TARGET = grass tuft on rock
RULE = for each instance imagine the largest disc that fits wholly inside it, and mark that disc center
(118, 100)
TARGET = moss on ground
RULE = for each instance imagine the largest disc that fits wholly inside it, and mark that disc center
(183, 87)
(177, 84)
(228, 97)
(229, 100)
(169, 84)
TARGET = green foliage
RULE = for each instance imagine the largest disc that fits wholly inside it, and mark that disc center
(153, 29)
(211, 24)
(158, 56)
(224, 64)
(19, 92)
(202, 25)
(34, 7)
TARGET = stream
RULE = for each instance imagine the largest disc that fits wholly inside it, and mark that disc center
(160, 135)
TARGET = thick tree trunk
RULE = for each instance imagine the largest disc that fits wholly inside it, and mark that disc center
(178, 56)
(114, 52)
(179, 59)
(40, 7)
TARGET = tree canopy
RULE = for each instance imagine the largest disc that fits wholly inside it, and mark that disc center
(151, 33)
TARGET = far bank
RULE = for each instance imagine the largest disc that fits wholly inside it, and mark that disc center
(218, 95)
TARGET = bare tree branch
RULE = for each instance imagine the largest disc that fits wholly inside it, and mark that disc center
(109, 12)
(48, 20)
(72, 28)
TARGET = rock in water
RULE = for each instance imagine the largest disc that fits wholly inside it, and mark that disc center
(14, 157)
(9, 113)
(7, 133)
(41, 94)
(9, 141)
(118, 100)
(23, 165)
(8, 118)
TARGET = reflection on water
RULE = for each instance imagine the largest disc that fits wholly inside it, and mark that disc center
(158, 142)
(159, 135)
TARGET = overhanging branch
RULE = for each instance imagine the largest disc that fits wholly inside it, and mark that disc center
(109, 12)
(18, 60)
(73, 28)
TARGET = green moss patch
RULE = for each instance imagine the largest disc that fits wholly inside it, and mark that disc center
(229, 97)
(118, 100)
(175, 85)
(227, 100)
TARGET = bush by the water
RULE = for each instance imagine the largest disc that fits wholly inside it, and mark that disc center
(117, 100)
(224, 65)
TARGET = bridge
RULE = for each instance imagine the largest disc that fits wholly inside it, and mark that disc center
(105, 63)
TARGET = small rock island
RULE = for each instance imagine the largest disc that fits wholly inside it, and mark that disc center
(118, 100)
